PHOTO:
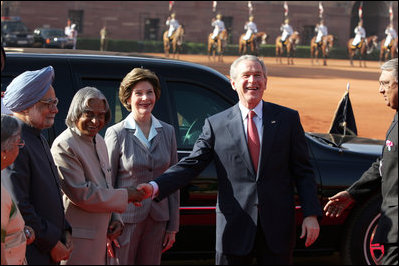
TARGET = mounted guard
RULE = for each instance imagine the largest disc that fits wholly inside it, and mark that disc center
(251, 29)
(173, 24)
(360, 35)
(218, 25)
(321, 31)
(287, 31)
(391, 36)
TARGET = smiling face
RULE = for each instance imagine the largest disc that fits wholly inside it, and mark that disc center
(92, 119)
(142, 100)
(249, 83)
(389, 89)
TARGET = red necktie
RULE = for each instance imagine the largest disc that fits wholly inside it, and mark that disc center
(253, 140)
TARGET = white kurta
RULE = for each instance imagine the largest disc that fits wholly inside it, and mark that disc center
(321, 31)
(287, 31)
(218, 27)
(251, 29)
(360, 33)
(391, 34)
(173, 25)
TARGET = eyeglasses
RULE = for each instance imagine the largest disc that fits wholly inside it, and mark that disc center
(20, 143)
(51, 103)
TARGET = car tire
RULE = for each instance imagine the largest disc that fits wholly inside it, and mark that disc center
(356, 248)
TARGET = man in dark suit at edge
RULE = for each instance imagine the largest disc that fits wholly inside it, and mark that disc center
(259, 161)
(381, 177)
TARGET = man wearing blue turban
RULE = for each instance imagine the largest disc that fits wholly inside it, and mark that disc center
(33, 177)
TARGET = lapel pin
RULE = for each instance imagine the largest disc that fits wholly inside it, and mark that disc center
(389, 144)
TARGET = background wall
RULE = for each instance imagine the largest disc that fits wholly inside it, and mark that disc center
(145, 20)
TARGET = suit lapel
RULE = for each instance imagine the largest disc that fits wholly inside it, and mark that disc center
(136, 140)
(155, 141)
(269, 129)
(236, 130)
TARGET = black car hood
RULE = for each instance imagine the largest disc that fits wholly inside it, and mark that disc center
(352, 143)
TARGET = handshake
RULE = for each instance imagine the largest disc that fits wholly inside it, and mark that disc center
(139, 193)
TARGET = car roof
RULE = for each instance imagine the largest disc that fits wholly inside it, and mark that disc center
(109, 56)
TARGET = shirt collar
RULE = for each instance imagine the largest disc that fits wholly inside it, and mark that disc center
(258, 110)
(131, 124)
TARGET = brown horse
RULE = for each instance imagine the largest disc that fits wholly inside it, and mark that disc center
(217, 46)
(289, 46)
(391, 50)
(254, 43)
(326, 45)
(366, 47)
(176, 40)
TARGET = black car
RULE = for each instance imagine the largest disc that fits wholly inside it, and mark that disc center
(190, 93)
(51, 38)
(14, 33)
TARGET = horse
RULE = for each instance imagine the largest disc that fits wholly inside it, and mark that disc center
(391, 50)
(177, 42)
(253, 42)
(366, 47)
(217, 46)
(289, 46)
(327, 43)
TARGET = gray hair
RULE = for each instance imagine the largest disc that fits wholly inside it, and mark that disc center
(391, 66)
(80, 103)
(233, 68)
(10, 129)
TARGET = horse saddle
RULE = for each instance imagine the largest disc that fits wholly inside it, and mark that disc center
(172, 35)
(251, 39)
(284, 42)
(390, 44)
(359, 45)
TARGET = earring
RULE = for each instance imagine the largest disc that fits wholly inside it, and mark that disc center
(4, 157)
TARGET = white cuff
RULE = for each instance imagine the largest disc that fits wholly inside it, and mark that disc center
(155, 189)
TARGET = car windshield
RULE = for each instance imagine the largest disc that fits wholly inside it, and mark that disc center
(53, 33)
(13, 26)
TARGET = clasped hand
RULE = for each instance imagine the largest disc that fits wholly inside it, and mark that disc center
(136, 195)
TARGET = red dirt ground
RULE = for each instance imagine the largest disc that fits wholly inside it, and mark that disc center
(315, 91)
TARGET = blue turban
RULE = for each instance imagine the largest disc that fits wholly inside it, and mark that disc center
(28, 88)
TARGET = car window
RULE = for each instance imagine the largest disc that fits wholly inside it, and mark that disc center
(193, 104)
(12, 26)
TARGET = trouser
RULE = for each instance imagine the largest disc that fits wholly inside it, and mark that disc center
(141, 243)
(261, 252)
(388, 41)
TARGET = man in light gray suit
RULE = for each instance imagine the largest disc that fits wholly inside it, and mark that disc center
(255, 212)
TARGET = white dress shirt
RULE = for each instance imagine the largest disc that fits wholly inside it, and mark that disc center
(257, 119)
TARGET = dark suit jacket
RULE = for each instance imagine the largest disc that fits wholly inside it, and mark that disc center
(387, 183)
(33, 180)
(242, 193)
